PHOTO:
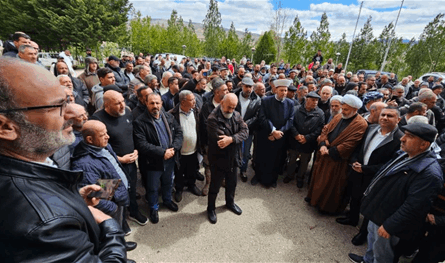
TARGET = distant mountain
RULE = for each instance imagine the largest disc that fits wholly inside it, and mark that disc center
(199, 28)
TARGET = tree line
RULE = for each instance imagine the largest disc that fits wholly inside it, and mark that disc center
(57, 24)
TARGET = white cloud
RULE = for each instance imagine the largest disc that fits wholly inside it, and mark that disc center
(256, 15)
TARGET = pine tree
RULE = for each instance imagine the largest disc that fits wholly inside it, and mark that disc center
(230, 45)
(320, 40)
(295, 42)
(213, 31)
(265, 49)
(363, 49)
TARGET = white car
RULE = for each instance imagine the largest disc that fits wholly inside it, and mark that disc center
(47, 59)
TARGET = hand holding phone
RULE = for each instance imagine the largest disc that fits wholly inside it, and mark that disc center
(108, 187)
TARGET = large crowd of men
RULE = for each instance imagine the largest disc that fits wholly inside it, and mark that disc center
(376, 145)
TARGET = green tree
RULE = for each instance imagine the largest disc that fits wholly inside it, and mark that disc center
(246, 45)
(320, 40)
(230, 45)
(55, 24)
(265, 49)
(295, 42)
(213, 31)
(342, 47)
(363, 49)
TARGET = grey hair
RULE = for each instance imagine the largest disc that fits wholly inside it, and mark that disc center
(149, 78)
(166, 74)
(23, 47)
(398, 87)
(183, 94)
(61, 76)
(217, 83)
(428, 94)
(326, 87)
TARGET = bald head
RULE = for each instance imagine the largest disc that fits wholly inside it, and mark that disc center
(228, 105)
(375, 110)
(95, 133)
(114, 103)
(80, 116)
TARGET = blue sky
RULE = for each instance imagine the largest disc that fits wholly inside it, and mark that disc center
(257, 15)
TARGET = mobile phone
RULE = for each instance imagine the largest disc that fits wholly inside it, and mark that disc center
(108, 187)
(204, 74)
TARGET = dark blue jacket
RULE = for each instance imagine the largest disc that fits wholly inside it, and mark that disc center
(94, 167)
(401, 199)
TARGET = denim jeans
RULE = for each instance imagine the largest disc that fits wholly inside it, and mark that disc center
(165, 179)
(247, 145)
(380, 249)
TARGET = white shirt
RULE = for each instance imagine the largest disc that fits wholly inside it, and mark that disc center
(378, 138)
(216, 104)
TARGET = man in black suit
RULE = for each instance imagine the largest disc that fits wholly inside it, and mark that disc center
(379, 145)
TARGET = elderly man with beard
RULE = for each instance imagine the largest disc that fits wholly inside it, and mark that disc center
(65, 80)
(340, 84)
(226, 132)
(158, 137)
(48, 210)
(334, 108)
(337, 142)
(78, 85)
(275, 118)
(307, 125)
(374, 112)
(118, 119)
(325, 96)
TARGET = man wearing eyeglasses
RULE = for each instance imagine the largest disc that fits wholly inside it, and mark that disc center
(47, 218)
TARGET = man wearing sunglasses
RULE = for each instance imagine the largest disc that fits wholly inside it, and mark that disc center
(45, 217)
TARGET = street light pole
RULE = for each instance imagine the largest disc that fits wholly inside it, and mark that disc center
(336, 61)
(251, 58)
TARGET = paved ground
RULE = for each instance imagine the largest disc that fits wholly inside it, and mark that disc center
(276, 226)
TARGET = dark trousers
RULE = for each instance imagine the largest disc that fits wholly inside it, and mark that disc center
(217, 176)
(130, 170)
(186, 174)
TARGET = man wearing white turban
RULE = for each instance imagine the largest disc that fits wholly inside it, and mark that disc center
(337, 141)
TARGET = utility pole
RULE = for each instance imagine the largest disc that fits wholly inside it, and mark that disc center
(390, 39)
(353, 36)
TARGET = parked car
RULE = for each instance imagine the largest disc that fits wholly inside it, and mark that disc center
(436, 75)
(47, 59)
(373, 72)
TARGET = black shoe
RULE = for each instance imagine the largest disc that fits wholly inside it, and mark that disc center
(178, 196)
(287, 179)
(129, 246)
(130, 261)
(359, 239)
(154, 217)
(254, 181)
(212, 216)
(355, 258)
(307, 199)
(139, 218)
(172, 206)
(274, 185)
(243, 177)
(195, 190)
(300, 183)
(199, 176)
(346, 221)
(126, 228)
(234, 208)
(138, 196)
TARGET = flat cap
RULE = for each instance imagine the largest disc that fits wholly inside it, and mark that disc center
(352, 101)
(282, 83)
(424, 131)
(313, 94)
(112, 57)
(112, 87)
(247, 81)
(292, 88)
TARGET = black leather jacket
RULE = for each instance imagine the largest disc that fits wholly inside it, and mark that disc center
(44, 219)
(251, 115)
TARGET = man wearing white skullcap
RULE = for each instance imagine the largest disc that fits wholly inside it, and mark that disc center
(274, 119)
(334, 107)
(337, 141)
